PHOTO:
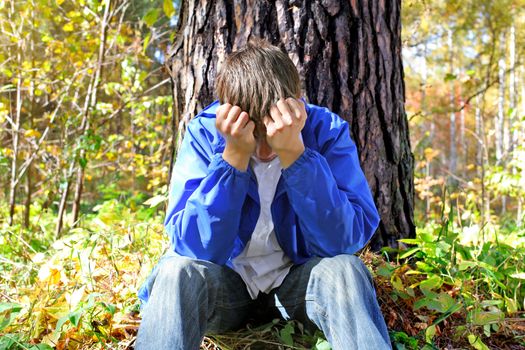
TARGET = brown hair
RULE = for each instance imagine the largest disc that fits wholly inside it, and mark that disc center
(257, 76)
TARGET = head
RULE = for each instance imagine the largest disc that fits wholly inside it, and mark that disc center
(254, 78)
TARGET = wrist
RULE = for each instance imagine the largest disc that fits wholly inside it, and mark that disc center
(290, 155)
(239, 159)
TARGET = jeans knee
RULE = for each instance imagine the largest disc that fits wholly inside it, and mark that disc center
(342, 273)
(180, 271)
(346, 261)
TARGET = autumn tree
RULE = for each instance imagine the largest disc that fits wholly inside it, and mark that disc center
(349, 57)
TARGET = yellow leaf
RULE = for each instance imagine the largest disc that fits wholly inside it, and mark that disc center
(111, 156)
(68, 27)
(60, 2)
(32, 133)
(50, 274)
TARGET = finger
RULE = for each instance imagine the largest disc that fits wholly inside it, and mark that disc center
(233, 114)
(240, 124)
(275, 114)
(222, 111)
(296, 106)
(270, 125)
(250, 127)
(286, 112)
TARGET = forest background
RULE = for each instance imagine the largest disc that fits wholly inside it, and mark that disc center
(85, 153)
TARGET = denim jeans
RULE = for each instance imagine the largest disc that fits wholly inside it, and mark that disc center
(189, 298)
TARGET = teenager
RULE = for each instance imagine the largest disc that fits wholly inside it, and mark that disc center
(267, 206)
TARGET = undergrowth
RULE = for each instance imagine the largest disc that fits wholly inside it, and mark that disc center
(447, 288)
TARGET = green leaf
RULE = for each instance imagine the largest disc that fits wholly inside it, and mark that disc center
(481, 318)
(286, 334)
(442, 303)
(397, 283)
(13, 307)
(409, 252)
(146, 43)
(151, 17)
(430, 332)
(169, 10)
(83, 162)
(427, 237)
(410, 240)
(466, 265)
(6, 87)
(486, 303)
(432, 282)
(322, 345)
(155, 201)
(74, 317)
(385, 270)
(109, 307)
(60, 323)
(41, 347)
(9, 311)
(476, 342)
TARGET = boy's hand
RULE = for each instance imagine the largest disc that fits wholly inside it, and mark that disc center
(237, 128)
(283, 129)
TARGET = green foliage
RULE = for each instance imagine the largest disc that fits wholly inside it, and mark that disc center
(444, 277)
(83, 287)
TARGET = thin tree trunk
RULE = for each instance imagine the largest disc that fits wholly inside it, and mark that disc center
(485, 195)
(462, 138)
(501, 128)
(479, 144)
(15, 128)
(512, 120)
(521, 141)
(512, 90)
(501, 102)
(424, 77)
(91, 101)
(349, 57)
(452, 134)
(29, 176)
(63, 202)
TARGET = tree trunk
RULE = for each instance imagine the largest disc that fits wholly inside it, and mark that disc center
(501, 127)
(91, 101)
(63, 204)
(349, 57)
(15, 130)
(453, 156)
(29, 175)
(424, 82)
(521, 141)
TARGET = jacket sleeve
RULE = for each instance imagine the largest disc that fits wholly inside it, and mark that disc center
(205, 200)
(330, 195)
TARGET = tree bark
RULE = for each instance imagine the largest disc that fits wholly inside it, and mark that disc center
(348, 54)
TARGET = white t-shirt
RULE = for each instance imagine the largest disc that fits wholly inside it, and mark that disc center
(262, 264)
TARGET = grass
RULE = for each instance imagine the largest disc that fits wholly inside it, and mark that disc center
(80, 292)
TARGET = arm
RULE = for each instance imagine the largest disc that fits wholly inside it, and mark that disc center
(205, 201)
(329, 193)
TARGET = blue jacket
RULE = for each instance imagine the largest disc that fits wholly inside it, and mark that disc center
(322, 206)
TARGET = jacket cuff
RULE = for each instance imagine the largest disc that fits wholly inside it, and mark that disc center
(218, 163)
(300, 166)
